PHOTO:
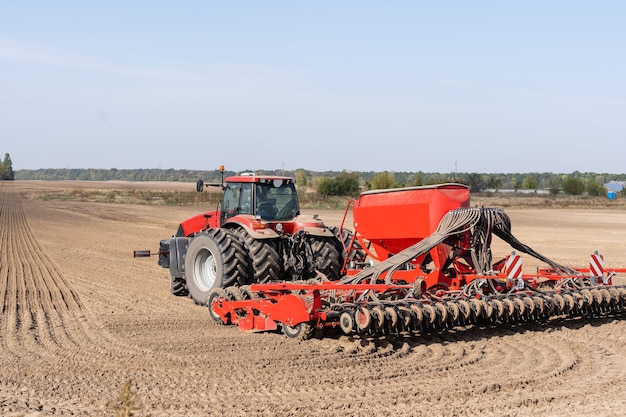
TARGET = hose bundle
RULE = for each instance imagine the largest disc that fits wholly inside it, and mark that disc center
(481, 223)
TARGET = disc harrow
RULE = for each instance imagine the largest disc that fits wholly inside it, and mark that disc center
(395, 309)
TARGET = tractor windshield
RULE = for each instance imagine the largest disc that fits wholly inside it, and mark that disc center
(276, 201)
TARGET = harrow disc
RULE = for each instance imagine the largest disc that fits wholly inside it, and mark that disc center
(419, 315)
(431, 315)
(407, 316)
(570, 303)
(477, 306)
(378, 317)
(530, 306)
(580, 301)
(458, 310)
(392, 317)
(442, 313)
(587, 296)
(520, 306)
(509, 308)
(487, 309)
(498, 307)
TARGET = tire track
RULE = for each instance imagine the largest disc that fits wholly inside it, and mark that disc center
(46, 330)
(42, 312)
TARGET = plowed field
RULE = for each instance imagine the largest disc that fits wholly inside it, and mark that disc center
(80, 318)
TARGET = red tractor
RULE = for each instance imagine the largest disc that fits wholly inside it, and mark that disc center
(255, 235)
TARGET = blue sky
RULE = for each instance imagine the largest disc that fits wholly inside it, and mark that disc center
(481, 86)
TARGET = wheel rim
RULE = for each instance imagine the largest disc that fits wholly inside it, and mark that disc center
(292, 331)
(205, 269)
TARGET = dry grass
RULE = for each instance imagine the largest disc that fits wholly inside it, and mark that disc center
(126, 404)
(167, 198)
(546, 201)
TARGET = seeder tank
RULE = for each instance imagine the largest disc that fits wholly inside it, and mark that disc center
(387, 222)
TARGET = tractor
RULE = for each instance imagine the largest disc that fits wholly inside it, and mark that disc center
(256, 235)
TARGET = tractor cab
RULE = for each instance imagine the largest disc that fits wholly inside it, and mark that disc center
(267, 198)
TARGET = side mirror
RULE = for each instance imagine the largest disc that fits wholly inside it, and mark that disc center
(200, 186)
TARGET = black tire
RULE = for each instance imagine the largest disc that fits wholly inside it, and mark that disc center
(326, 258)
(215, 259)
(265, 263)
(301, 331)
(214, 294)
(178, 287)
(356, 253)
(234, 293)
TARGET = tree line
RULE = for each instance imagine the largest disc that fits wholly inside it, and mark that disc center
(6, 168)
(351, 183)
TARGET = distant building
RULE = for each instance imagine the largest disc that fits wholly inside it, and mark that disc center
(615, 186)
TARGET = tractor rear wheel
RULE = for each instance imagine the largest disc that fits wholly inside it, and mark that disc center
(265, 263)
(327, 259)
(346, 236)
(215, 259)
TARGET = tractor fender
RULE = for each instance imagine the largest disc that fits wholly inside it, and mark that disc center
(198, 223)
(255, 228)
(178, 249)
(318, 231)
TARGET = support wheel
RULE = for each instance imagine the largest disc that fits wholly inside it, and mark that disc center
(363, 318)
(346, 321)
(214, 294)
(301, 331)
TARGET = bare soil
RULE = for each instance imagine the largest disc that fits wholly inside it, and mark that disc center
(80, 318)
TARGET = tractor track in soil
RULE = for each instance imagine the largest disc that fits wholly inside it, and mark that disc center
(80, 317)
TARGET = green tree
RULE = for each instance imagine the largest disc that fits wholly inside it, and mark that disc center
(530, 183)
(343, 184)
(6, 168)
(474, 181)
(573, 185)
(382, 181)
(494, 182)
(514, 181)
(301, 179)
(417, 181)
(593, 188)
(554, 185)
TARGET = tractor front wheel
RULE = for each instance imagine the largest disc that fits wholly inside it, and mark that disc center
(178, 287)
